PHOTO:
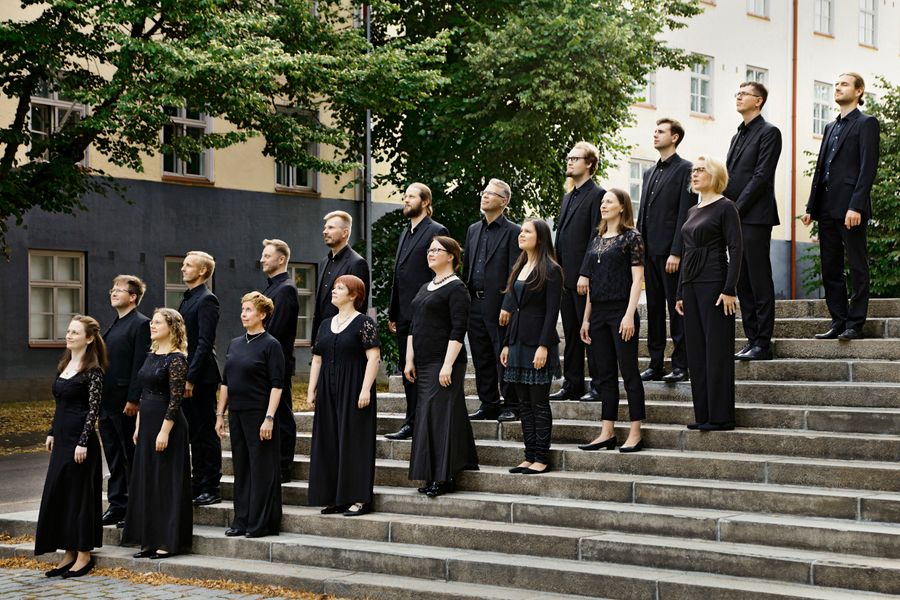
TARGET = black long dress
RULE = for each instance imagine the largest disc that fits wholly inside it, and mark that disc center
(160, 515)
(342, 460)
(70, 515)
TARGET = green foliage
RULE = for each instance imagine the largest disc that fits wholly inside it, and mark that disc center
(234, 60)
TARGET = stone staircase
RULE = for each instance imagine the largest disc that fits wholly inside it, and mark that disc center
(801, 501)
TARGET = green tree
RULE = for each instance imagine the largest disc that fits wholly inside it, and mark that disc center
(237, 60)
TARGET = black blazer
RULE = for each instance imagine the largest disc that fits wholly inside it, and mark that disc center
(852, 170)
(575, 228)
(411, 269)
(502, 252)
(200, 309)
(348, 262)
(661, 215)
(127, 344)
(751, 173)
(282, 323)
(533, 321)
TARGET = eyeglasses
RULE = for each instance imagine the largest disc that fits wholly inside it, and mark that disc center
(490, 193)
(570, 159)
(436, 250)
(698, 170)
(742, 94)
(118, 291)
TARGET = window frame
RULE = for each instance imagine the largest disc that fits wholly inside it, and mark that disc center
(700, 77)
(649, 90)
(310, 292)
(862, 29)
(293, 171)
(53, 284)
(822, 107)
(182, 121)
(817, 17)
(55, 104)
(752, 6)
(643, 165)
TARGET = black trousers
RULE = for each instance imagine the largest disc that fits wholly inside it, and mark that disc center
(206, 448)
(485, 337)
(709, 335)
(117, 433)
(836, 242)
(756, 289)
(537, 420)
(572, 311)
(287, 429)
(662, 288)
(412, 396)
(610, 352)
(257, 486)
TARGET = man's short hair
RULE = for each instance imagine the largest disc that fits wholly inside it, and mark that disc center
(206, 260)
(504, 187)
(675, 127)
(759, 89)
(280, 246)
(345, 218)
(134, 284)
(859, 85)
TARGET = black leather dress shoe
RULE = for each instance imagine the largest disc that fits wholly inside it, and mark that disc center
(831, 334)
(112, 516)
(676, 375)
(743, 349)
(404, 433)
(851, 334)
(508, 415)
(439, 488)
(591, 396)
(232, 532)
(485, 413)
(120, 524)
(716, 426)
(652, 374)
(207, 498)
(756, 353)
(565, 394)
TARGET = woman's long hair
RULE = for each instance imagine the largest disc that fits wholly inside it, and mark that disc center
(94, 354)
(177, 330)
(626, 221)
(546, 258)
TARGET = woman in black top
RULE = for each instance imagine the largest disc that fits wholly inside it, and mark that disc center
(443, 443)
(251, 388)
(611, 276)
(531, 345)
(69, 517)
(160, 517)
(342, 392)
(710, 266)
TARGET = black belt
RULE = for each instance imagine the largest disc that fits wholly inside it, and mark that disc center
(478, 294)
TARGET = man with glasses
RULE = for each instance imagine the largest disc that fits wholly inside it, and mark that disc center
(127, 344)
(752, 160)
(579, 217)
(491, 248)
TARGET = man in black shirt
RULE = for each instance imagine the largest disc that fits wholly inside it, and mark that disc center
(492, 247)
(341, 260)
(282, 325)
(127, 343)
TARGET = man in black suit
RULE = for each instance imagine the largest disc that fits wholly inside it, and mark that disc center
(282, 325)
(410, 273)
(840, 201)
(127, 344)
(341, 260)
(579, 216)
(665, 200)
(200, 309)
(492, 246)
(752, 160)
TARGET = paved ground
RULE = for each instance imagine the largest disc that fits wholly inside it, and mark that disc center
(22, 477)
(20, 584)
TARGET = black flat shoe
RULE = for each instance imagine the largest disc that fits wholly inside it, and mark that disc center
(636, 448)
(694, 426)
(607, 444)
(330, 510)
(364, 509)
(517, 469)
(530, 471)
(144, 554)
(162, 555)
(256, 534)
(59, 570)
(716, 427)
(232, 532)
(82, 571)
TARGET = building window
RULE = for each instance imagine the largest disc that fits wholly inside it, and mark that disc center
(175, 287)
(55, 293)
(52, 113)
(304, 276)
(822, 107)
(824, 17)
(186, 122)
(647, 94)
(868, 15)
(759, 8)
(290, 177)
(758, 74)
(701, 87)
(636, 169)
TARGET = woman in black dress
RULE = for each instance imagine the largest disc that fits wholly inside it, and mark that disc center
(531, 345)
(443, 444)
(252, 381)
(159, 518)
(70, 517)
(710, 267)
(342, 392)
(611, 275)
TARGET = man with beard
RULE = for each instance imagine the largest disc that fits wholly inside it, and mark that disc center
(410, 273)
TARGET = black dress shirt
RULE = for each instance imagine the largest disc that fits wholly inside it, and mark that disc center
(835, 135)
(282, 323)
(488, 230)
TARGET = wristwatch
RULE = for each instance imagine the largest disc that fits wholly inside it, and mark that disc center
(270, 418)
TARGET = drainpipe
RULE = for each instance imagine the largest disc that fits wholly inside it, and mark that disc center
(793, 213)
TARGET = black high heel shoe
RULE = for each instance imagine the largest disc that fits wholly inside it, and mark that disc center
(82, 571)
(607, 444)
(59, 570)
(636, 448)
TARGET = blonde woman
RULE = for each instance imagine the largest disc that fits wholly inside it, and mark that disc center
(159, 518)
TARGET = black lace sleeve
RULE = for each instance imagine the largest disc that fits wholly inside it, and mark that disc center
(95, 393)
(635, 244)
(368, 334)
(177, 367)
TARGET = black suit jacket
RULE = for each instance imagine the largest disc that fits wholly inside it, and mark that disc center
(411, 269)
(502, 252)
(751, 173)
(662, 214)
(282, 323)
(200, 309)
(347, 262)
(852, 170)
(576, 226)
(533, 320)
(127, 344)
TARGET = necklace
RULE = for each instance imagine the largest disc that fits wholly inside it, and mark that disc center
(340, 324)
(255, 335)
(442, 280)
